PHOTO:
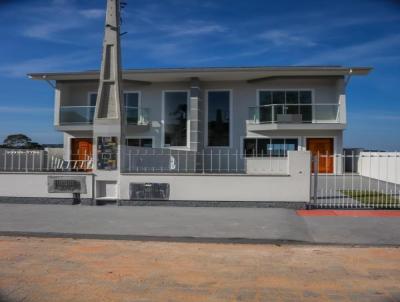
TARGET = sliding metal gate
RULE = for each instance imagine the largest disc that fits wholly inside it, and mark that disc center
(368, 180)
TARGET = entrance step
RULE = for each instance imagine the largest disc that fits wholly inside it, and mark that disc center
(106, 202)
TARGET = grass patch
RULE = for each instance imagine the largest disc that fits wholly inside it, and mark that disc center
(373, 197)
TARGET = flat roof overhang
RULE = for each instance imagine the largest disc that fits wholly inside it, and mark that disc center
(250, 74)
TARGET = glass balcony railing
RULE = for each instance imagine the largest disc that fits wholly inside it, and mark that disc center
(83, 115)
(137, 116)
(76, 115)
(299, 113)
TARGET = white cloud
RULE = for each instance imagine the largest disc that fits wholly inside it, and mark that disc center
(92, 13)
(51, 22)
(192, 29)
(286, 38)
(358, 53)
(47, 30)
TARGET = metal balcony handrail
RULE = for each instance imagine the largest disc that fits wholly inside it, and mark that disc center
(74, 106)
(76, 115)
(299, 113)
(322, 104)
(142, 117)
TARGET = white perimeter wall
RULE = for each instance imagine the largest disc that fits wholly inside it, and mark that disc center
(35, 185)
(384, 166)
(294, 186)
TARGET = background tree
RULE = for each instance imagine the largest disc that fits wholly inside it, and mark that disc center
(20, 141)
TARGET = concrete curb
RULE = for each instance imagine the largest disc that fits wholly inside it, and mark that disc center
(157, 203)
(216, 204)
(178, 239)
(40, 200)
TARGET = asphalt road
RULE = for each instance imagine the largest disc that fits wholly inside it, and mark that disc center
(195, 224)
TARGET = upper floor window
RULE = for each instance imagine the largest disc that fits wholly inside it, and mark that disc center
(274, 102)
(131, 99)
(285, 97)
(175, 118)
(131, 103)
(218, 116)
(92, 99)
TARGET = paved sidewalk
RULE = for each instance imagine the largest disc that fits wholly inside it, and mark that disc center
(196, 224)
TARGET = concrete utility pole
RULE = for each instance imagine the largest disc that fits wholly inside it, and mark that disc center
(108, 124)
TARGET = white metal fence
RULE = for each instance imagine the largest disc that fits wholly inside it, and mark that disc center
(384, 166)
(12, 160)
(209, 161)
(365, 180)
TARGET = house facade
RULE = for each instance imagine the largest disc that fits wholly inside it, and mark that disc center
(247, 114)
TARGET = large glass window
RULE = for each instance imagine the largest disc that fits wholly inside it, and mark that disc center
(265, 98)
(175, 118)
(292, 100)
(92, 99)
(285, 102)
(263, 145)
(305, 100)
(265, 110)
(250, 147)
(131, 103)
(140, 142)
(266, 147)
(131, 99)
(218, 118)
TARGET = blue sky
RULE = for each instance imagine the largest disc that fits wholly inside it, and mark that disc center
(66, 35)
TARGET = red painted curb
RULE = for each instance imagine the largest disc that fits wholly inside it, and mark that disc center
(350, 213)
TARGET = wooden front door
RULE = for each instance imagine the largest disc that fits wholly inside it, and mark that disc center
(323, 149)
(81, 152)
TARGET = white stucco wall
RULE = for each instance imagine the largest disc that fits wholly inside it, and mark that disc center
(35, 185)
(244, 95)
(294, 186)
(291, 186)
(383, 166)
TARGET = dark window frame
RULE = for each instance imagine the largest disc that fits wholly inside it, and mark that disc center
(228, 137)
(132, 119)
(270, 150)
(303, 106)
(187, 120)
(90, 95)
(140, 139)
(300, 95)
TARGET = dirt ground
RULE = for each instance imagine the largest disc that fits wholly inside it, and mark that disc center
(35, 269)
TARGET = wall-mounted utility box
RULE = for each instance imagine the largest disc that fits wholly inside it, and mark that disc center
(66, 184)
(149, 191)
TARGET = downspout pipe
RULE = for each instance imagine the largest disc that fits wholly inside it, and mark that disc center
(348, 77)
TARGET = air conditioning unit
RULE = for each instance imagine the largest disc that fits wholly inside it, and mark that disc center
(289, 118)
(149, 191)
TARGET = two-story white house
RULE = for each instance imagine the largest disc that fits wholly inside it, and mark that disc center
(252, 112)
